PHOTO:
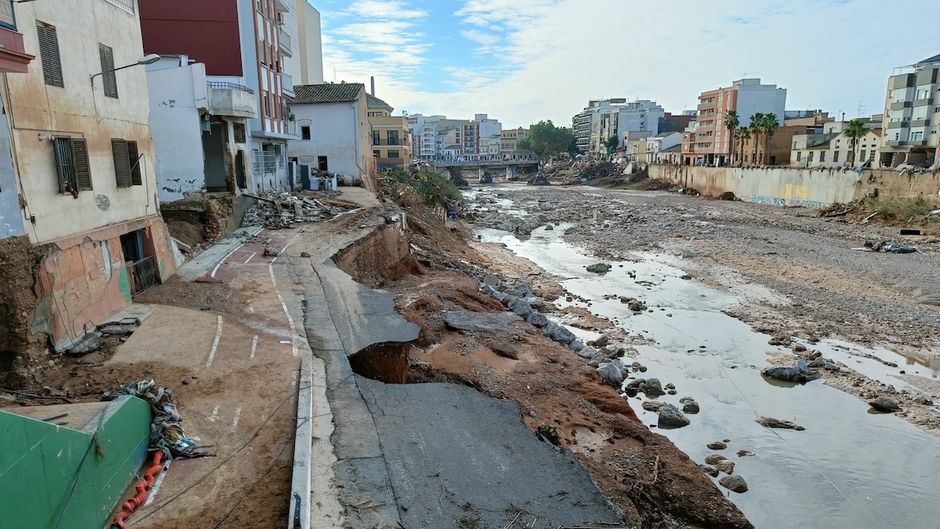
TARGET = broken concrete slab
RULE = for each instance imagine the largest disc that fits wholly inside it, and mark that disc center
(481, 321)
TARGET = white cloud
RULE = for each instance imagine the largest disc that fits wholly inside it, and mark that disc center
(388, 9)
(484, 39)
(554, 55)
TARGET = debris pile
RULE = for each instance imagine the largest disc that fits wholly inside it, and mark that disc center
(166, 432)
(283, 210)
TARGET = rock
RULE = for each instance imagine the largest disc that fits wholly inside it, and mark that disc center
(672, 392)
(588, 352)
(652, 387)
(734, 483)
(492, 292)
(520, 306)
(611, 375)
(745, 453)
(600, 342)
(717, 445)
(576, 345)
(711, 471)
(558, 333)
(799, 348)
(187, 381)
(770, 422)
(637, 306)
(714, 459)
(885, 404)
(799, 373)
(652, 405)
(780, 339)
(599, 268)
(481, 321)
(671, 417)
(725, 466)
(305, 254)
(691, 407)
(537, 318)
(670, 386)
(549, 227)
(491, 280)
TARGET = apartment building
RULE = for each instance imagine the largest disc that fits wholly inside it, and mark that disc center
(710, 140)
(912, 116)
(391, 144)
(335, 136)
(831, 148)
(302, 25)
(510, 139)
(246, 46)
(77, 185)
(604, 119)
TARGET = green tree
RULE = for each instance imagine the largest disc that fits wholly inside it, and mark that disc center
(612, 143)
(768, 126)
(546, 140)
(855, 130)
(741, 136)
(731, 123)
(756, 129)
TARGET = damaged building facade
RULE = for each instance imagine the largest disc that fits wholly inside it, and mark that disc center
(80, 220)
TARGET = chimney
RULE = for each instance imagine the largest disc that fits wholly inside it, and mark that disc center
(372, 82)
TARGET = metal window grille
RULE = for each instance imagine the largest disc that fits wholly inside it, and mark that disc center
(49, 53)
(126, 5)
(229, 86)
(72, 167)
(145, 274)
(108, 77)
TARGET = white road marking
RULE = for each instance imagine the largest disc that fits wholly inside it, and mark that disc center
(254, 346)
(250, 257)
(216, 269)
(215, 414)
(290, 320)
(291, 241)
(293, 378)
(238, 414)
(215, 343)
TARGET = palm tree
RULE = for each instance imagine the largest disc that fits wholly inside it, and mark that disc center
(855, 130)
(768, 127)
(731, 123)
(742, 135)
(756, 130)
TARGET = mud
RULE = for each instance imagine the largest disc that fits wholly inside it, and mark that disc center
(19, 348)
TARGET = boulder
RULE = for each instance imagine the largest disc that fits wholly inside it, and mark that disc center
(770, 422)
(653, 387)
(576, 345)
(637, 306)
(520, 307)
(885, 404)
(481, 321)
(690, 406)
(734, 483)
(725, 466)
(558, 333)
(599, 268)
(671, 417)
(799, 373)
(491, 280)
(711, 471)
(652, 405)
(610, 374)
(745, 453)
(537, 318)
(714, 459)
(492, 292)
(588, 352)
(717, 445)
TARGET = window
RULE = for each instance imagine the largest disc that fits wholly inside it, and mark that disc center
(835, 156)
(71, 158)
(810, 157)
(822, 156)
(862, 157)
(126, 163)
(393, 138)
(375, 138)
(7, 19)
(393, 154)
(108, 78)
(305, 132)
(239, 129)
(49, 52)
(377, 154)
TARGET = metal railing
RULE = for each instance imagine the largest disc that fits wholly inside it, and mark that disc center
(224, 85)
(127, 5)
(287, 82)
(145, 274)
(284, 40)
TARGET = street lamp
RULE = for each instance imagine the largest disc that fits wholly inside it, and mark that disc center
(143, 61)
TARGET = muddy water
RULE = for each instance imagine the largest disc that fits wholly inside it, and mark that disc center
(849, 469)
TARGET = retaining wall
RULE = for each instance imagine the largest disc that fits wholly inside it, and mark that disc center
(785, 186)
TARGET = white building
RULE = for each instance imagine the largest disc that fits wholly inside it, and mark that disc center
(912, 116)
(832, 148)
(661, 142)
(335, 133)
(199, 132)
(302, 25)
(604, 119)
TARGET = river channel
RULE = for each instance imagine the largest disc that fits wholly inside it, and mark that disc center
(849, 469)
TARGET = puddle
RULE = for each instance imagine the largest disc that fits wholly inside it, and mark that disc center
(849, 469)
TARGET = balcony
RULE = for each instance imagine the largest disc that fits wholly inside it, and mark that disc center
(232, 99)
(923, 102)
(13, 56)
(287, 84)
(284, 42)
(900, 105)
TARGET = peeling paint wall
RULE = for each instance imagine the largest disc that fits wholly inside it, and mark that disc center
(784, 186)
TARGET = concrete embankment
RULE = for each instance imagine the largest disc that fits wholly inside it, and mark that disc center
(786, 186)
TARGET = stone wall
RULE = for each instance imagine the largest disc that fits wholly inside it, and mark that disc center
(785, 186)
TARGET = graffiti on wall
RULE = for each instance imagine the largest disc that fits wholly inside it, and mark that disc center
(777, 201)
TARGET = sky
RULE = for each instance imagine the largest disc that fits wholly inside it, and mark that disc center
(522, 61)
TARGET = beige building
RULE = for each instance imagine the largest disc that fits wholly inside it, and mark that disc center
(832, 148)
(510, 139)
(79, 159)
(912, 116)
(391, 144)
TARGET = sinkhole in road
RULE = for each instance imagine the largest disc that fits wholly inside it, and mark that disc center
(385, 362)
(849, 468)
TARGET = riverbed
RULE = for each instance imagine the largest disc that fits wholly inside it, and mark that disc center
(850, 468)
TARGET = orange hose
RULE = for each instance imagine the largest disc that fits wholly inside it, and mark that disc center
(142, 487)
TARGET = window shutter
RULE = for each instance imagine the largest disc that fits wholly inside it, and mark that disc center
(122, 170)
(134, 158)
(108, 77)
(80, 164)
(49, 53)
(63, 162)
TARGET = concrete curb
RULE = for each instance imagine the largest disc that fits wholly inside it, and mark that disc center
(299, 513)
